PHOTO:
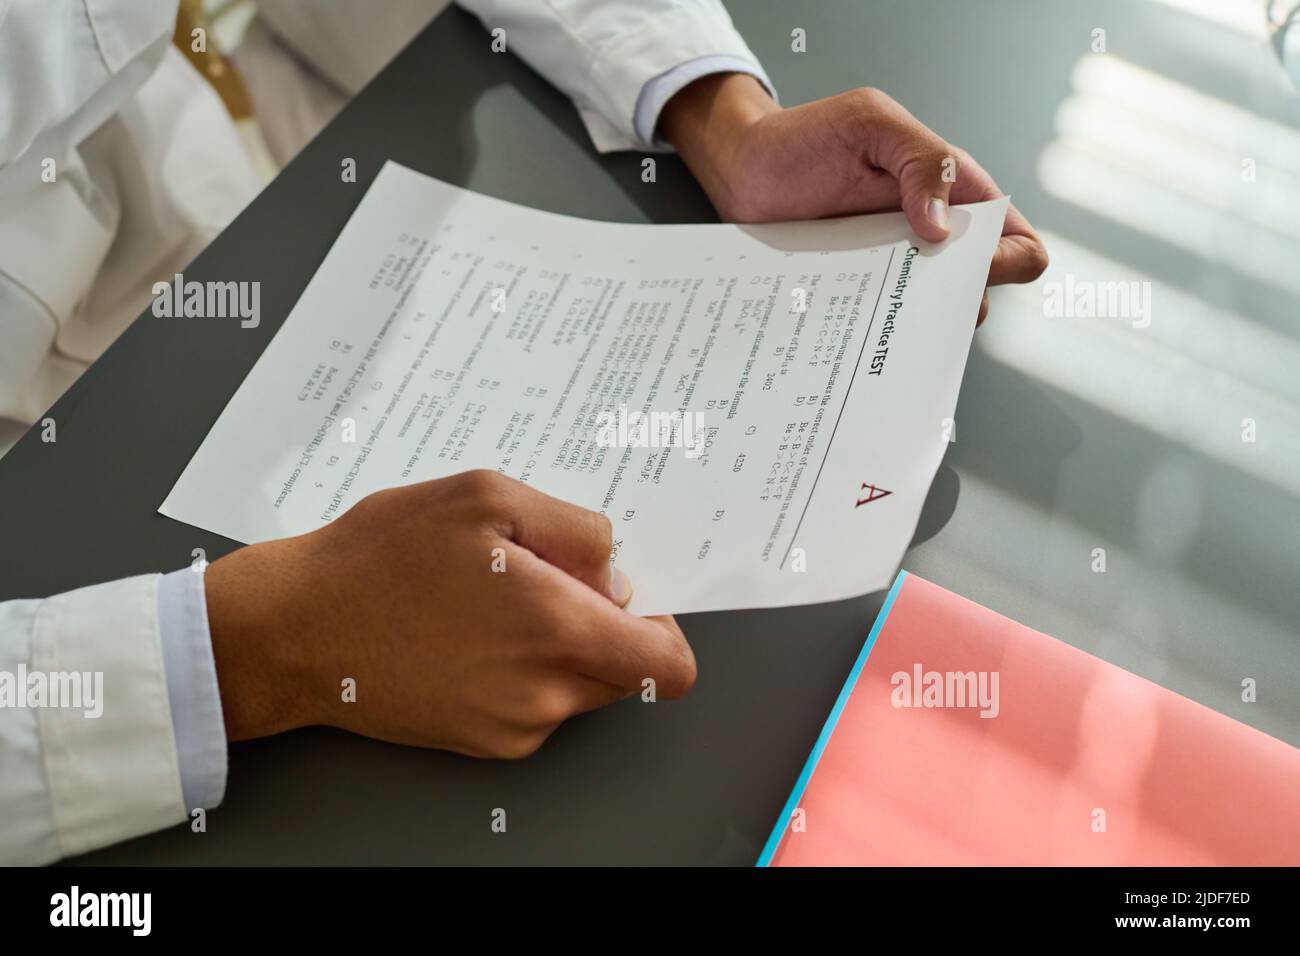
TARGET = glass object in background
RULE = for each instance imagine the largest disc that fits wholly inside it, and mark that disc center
(1284, 36)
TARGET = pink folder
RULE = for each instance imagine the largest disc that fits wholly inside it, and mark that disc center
(1076, 763)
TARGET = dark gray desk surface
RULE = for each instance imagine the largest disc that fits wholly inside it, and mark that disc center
(1203, 541)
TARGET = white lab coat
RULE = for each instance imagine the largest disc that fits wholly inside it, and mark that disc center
(118, 164)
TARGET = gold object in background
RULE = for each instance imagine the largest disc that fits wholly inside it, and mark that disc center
(215, 68)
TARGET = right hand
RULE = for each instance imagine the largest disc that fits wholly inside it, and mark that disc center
(399, 593)
(857, 152)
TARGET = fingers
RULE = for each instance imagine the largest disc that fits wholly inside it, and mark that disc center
(931, 174)
(1018, 258)
(925, 166)
(550, 698)
(638, 654)
(1016, 224)
(628, 651)
(1020, 255)
(539, 713)
(974, 184)
(592, 694)
(573, 539)
(594, 638)
(583, 654)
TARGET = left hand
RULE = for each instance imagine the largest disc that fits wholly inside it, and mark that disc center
(857, 152)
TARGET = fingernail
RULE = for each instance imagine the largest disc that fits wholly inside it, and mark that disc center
(938, 212)
(620, 586)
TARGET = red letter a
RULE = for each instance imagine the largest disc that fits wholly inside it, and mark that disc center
(872, 494)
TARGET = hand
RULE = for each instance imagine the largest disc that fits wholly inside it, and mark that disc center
(400, 594)
(856, 152)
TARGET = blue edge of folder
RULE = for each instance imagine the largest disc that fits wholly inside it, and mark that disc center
(778, 830)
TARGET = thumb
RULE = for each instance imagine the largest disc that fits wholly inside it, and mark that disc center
(573, 539)
(925, 167)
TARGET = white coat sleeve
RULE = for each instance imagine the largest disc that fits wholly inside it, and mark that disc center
(72, 63)
(618, 60)
(605, 54)
(66, 68)
(101, 766)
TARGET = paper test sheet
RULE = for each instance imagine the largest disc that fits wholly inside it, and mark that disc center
(759, 410)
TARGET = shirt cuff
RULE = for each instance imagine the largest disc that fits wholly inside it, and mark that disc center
(192, 689)
(658, 91)
(609, 98)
